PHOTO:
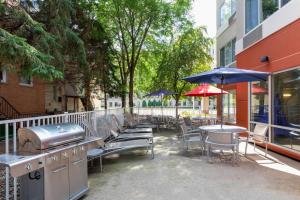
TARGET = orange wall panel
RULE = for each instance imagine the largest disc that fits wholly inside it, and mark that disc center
(283, 50)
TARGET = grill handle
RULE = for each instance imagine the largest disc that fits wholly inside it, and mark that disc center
(59, 169)
(65, 141)
(77, 162)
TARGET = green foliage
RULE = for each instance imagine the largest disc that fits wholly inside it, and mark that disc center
(186, 54)
(130, 24)
(15, 51)
(25, 43)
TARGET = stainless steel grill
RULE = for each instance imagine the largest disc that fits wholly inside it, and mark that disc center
(41, 138)
(51, 162)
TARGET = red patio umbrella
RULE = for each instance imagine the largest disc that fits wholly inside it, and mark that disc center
(205, 90)
(258, 90)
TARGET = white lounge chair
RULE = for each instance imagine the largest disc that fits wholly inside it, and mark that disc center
(259, 135)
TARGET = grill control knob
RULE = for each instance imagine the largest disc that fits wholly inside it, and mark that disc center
(54, 158)
(82, 148)
(28, 166)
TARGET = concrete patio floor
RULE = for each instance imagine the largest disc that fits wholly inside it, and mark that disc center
(179, 175)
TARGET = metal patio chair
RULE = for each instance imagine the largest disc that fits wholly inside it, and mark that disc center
(190, 136)
(222, 141)
(259, 136)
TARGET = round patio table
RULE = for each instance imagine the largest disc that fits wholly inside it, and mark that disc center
(224, 128)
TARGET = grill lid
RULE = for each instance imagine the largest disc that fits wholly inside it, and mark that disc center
(49, 136)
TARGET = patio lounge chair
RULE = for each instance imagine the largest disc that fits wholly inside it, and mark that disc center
(118, 143)
(117, 126)
(118, 147)
(130, 122)
(222, 141)
(114, 136)
(259, 136)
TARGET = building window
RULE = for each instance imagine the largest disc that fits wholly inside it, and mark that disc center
(229, 106)
(256, 11)
(227, 53)
(226, 10)
(286, 108)
(268, 8)
(259, 102)
(26, 81)
(251, 14)
(2, 76)
(110, 104)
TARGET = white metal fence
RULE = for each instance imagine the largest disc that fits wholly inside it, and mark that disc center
(171, 111)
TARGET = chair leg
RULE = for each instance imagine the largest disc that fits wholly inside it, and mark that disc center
(152, 151)
(266, 151)
(254, 145)
(247, 141)
(208, 154)
(100, 162)
(187, 146)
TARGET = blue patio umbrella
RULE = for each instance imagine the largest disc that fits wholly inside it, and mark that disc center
(227, 75)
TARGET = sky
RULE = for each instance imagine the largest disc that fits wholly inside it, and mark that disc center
(204, 14)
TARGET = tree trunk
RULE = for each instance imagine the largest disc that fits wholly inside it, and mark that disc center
(105, 101)
(88, 103)
(131, 88)
(123, 98)
(176, 106)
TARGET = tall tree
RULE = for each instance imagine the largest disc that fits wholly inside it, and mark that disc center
(130, 22)
(25, 44)
(188, 53)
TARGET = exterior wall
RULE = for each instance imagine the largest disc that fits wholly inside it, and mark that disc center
(283, 50)
(276, 37)
(278, 20)
(225, 33)
(53, 104)
(25, 99)
(56, 103)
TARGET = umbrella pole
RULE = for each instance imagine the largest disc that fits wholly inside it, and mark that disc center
(204, 105)
(222, 79)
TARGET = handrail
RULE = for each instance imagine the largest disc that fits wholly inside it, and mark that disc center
(10, 112)
(7, 109)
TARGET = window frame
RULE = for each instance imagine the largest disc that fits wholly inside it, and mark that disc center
(260, 17)
(222, 51)
(26, 84)
(3, 78)
(231, 12)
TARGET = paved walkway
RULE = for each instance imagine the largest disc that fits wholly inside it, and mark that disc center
(178, 175)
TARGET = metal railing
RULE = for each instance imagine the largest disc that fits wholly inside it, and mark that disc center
(171, 111)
